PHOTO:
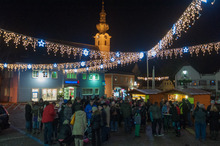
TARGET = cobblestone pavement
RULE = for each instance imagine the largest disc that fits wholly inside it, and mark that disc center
(16, 136)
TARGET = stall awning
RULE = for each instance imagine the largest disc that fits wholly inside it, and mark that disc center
(188, 91)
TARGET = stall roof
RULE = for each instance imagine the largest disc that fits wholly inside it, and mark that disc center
(193, 91)
(188, 91)
(145, 91)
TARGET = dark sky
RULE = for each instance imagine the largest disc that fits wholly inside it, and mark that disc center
(134, 25)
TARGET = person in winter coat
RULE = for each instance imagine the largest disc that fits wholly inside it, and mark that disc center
(96, 125)
(175, 112)
(41, 108)
(68, 111)
(36, 122)
(28, 116)
(103, 123)
(114, 116)
(126, 114)
(107, 111)
(61, 116)
(200, 122)
(65, 134)
(137, 122)
(184, 110)
(165, 116)
(88, 110)
(79, 126)
(155, 116)
(214, 124)
(143, 113)
(47, 119)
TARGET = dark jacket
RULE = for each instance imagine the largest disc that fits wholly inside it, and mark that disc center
(103, 118)
(126, 110)
(96, 120)
(65, 131)
(200, 116)
(28, 112)
(213, 119)
(76, 106)
(114, 113)
(175, 114)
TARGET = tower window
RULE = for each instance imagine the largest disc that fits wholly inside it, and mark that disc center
(98, 42)
(105, 43)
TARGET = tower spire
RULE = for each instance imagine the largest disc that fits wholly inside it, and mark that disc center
(102, 26)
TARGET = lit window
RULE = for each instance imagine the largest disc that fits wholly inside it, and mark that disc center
(84, 76)
(87, 91)
(71, 76)
(54, 75)
(212, 82)
(97, 91)
(35, 74)
(116, 78)
(49, 94)
(93, 76)
(185, 72)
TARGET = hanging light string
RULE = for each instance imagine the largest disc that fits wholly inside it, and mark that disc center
(92, 65)
(186, 20)
(204, 48)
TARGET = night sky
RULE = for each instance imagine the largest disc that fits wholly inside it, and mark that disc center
(134, 26)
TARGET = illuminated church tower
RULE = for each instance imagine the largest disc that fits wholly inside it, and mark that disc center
(102, 39)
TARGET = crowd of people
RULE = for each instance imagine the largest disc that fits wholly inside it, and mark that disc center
(87, 119)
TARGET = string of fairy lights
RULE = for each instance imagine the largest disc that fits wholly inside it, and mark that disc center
(109, 59)
(186, 21)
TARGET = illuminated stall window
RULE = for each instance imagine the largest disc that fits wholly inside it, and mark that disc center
(49, 94)
(71, 76)
(54, 75)
(35, 94)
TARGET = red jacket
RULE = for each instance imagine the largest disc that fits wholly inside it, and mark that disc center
(48, 114)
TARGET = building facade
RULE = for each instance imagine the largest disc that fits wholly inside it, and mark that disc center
(31, 85)
(188, 77)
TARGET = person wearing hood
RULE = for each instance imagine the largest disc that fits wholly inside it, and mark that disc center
(28, 116)
(79, 126)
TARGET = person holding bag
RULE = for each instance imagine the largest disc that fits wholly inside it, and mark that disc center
(79, 126)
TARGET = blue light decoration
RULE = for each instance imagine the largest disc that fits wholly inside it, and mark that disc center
(119, 62)
(117, 54)
(85, 52)
(185, 50)
(101, 66)
(153, 53)
(41, 43)
(87, 68)
(55, 65)
(160, 44)
(204, 1)
(29, 66)
(75, 70)
(5, 65)
(141, 55)
(174, 29)
(112, 59)
(83, 63)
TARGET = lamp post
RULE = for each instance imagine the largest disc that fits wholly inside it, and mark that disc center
(147, 69)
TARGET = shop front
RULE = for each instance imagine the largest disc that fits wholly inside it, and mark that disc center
(70, 89)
